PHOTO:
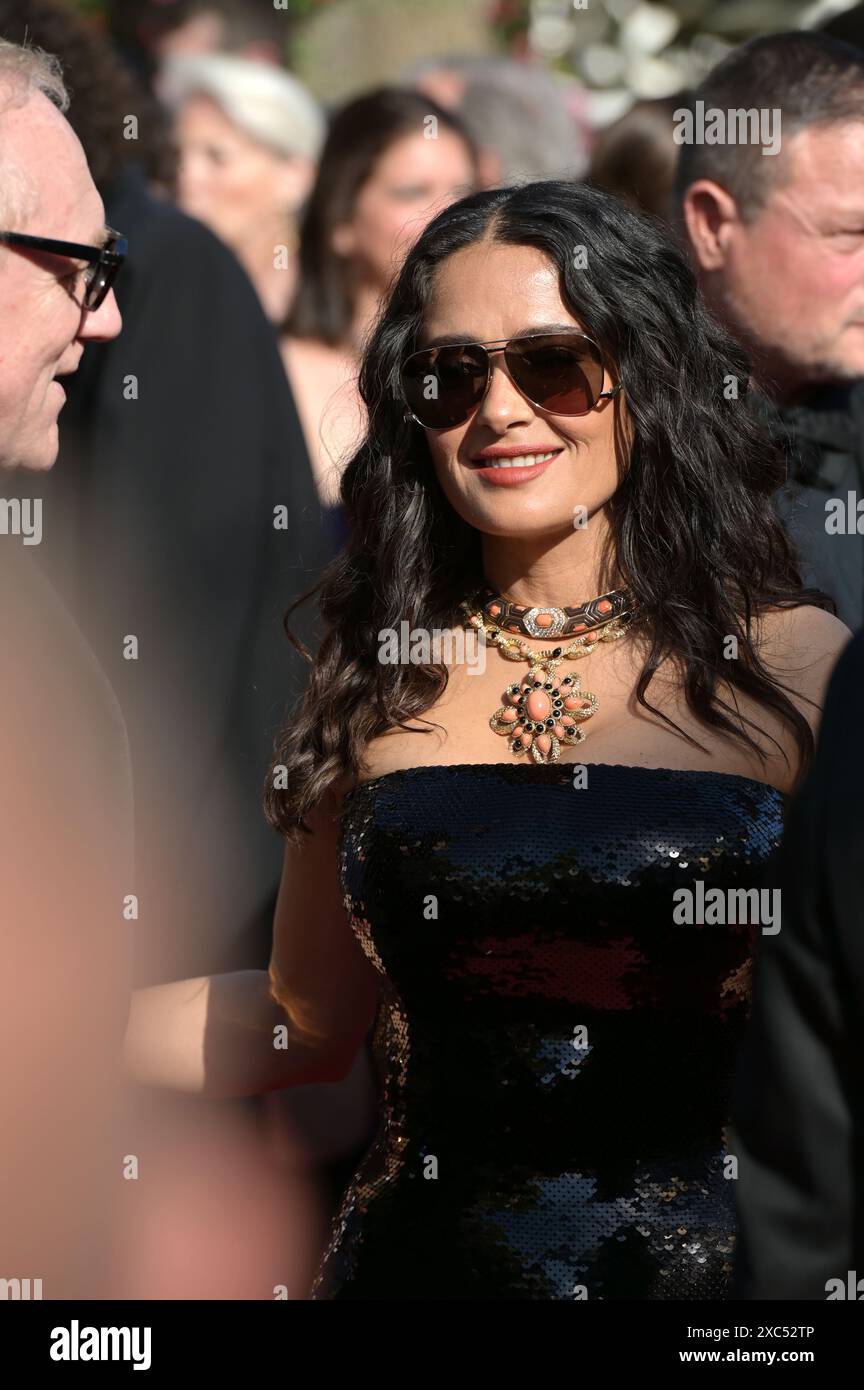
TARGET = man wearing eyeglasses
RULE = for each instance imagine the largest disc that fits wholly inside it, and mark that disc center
(66, 859)
(776, 234)
(58, 260)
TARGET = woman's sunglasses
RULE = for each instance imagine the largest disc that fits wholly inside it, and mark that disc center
(558, 372)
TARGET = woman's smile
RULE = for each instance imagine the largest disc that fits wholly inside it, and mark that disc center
(510, 465)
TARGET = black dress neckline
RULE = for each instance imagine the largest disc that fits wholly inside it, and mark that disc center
(557, 767)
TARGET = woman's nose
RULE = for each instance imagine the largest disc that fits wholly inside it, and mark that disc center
(502, 401)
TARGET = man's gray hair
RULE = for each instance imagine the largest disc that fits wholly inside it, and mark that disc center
(24, 71)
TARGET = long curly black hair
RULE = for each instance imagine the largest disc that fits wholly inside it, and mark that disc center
(692, 531)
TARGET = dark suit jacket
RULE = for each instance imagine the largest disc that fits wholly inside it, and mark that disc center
(179, 441)
(823, 438)
(799, 1111)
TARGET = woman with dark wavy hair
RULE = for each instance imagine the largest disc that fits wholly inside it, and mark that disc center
(552, 941)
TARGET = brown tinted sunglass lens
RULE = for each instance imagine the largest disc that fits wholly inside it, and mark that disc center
(444, 385)
(560, 373)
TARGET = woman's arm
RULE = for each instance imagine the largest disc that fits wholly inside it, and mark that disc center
(215, 1036)
(250, 1031)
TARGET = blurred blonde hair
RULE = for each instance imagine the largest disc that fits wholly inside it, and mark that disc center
(268, 104)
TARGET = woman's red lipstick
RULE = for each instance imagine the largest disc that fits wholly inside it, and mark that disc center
(484, 464)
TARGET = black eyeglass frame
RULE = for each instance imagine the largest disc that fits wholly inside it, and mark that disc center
(108, 259)
(500, 345)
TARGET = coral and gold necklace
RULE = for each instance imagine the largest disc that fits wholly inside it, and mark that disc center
(542, 713)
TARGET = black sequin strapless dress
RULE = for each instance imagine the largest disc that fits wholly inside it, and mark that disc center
(555, 1052)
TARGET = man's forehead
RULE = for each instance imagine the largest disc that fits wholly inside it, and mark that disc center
(24, 117)
(824, 152)
(817, 174)
(63, 201)
(37, 135)
(65, 212)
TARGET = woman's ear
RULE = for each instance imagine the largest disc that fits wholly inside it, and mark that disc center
(342, 239)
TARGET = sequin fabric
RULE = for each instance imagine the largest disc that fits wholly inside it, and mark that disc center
(555, 1052)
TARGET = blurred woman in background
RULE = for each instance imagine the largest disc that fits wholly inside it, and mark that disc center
(248, 136)
(393, 158)
(636, 156)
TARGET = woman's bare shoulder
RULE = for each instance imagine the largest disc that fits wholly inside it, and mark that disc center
(379, 757)
(801, 646)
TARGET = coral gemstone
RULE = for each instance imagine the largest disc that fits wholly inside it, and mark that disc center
(538, 705)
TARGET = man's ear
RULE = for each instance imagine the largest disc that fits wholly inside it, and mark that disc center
(709, 213)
